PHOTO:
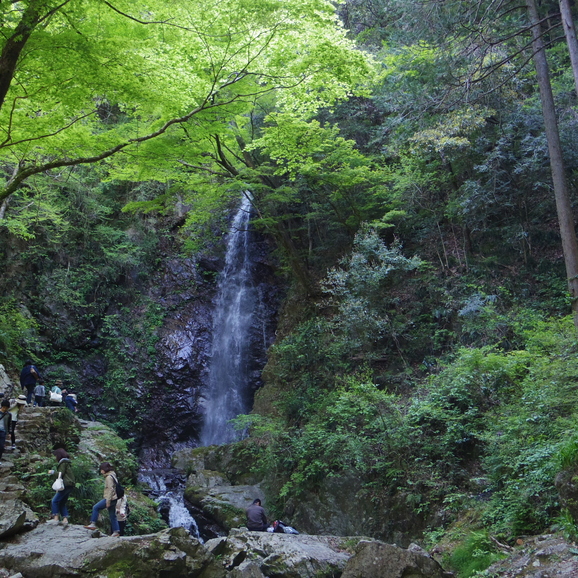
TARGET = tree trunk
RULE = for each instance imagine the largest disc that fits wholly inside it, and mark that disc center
(570, 32)
(561, 190)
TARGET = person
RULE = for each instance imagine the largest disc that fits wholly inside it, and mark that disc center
(39, 395)
(14, 410)
(70, 401)
(122, 514)
(256, 518)
(55, 396)
(28, 378)
(4, 424)
(109, 501)
(58, 504)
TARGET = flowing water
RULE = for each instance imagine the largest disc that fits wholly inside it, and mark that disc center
(235, 307)
(170, 498)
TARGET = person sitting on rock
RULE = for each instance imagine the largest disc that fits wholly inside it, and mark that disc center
(256, 518)
(4, 424)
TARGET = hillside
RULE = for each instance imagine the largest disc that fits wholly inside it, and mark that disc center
(411, 175)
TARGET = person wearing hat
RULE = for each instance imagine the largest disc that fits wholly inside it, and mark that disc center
(14, 410)
(71, 402)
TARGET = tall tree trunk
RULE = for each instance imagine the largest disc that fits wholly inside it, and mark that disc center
(561, 190)
(570, 32)
(13, 46)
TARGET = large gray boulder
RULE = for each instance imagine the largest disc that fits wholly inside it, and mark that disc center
(219, 500)
(262, 554)
(15, 515)
(379, 560)
(52, 551)
(5, 382)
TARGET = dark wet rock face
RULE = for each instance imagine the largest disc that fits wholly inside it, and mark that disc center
(183, 352)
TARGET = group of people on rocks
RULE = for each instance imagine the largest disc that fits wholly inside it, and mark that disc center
(115, 504)
(36, 394)
(33, 383)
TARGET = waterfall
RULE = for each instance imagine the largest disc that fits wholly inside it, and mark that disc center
(170, 500)
(235, 306)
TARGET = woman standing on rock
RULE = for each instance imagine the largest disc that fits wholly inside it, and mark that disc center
(14, 411)
(60, 498)
(109, 501)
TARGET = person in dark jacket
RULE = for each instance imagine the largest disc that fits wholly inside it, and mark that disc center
(28, 378)
(58, 503)
(70, 401)
(5, 419)
(256, 518)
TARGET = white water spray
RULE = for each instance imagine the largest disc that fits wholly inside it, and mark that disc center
(235, 306)
(179, 516)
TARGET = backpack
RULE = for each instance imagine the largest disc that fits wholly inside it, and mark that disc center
(119, 490)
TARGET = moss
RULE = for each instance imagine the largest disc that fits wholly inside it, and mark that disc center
(225, 514)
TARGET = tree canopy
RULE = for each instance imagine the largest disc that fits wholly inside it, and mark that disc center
(82, 80)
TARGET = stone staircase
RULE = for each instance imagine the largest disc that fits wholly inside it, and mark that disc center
(39, 431)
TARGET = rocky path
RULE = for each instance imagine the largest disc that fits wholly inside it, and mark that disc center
(15, 515)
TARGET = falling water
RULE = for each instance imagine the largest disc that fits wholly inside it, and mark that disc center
(172, 498)
(235, 306)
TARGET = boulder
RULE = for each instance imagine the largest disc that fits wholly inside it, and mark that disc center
(248, 554)
(12, 517)
(15, 515)
(218, 500)
(56, 551)
(538, 557)
(5, 382)
(374, 559)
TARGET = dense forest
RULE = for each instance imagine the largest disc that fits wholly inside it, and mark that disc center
(412, 167)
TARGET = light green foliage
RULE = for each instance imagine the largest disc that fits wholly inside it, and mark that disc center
(453, 133)
(137, 71)
(475, 554)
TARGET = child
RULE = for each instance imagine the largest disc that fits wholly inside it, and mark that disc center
(122, 514)
(39, 394)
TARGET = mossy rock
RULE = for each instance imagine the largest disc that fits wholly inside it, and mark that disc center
(238, 462)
